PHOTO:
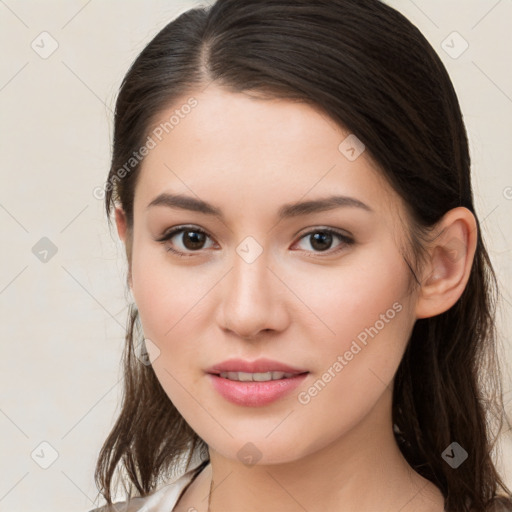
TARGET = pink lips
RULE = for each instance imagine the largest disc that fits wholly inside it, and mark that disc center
(254, 394)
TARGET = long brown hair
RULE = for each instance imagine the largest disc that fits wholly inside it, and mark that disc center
(374, 73)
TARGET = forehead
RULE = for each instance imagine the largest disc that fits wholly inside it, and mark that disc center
(243, 152)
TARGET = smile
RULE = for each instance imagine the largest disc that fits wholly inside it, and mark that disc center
(256, 377)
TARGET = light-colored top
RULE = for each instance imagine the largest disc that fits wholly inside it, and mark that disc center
(163, 499)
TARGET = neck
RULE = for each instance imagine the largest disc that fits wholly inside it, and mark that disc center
(359, 471)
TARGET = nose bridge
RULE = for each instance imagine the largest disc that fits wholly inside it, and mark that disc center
(249, 280)
(250, 298)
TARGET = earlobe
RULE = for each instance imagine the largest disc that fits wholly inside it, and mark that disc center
(451, 255)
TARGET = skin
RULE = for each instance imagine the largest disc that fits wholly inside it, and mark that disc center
(295, 303)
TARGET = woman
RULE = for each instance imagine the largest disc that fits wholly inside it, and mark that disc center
(313, 326)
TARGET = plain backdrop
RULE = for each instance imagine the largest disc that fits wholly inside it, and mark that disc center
(63, 302)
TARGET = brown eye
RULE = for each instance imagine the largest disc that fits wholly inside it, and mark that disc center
(321, 240)
(186, 239)
(193, 240)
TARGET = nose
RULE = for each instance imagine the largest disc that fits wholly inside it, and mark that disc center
(253, 299)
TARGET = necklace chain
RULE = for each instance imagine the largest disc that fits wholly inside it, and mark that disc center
(210, 495)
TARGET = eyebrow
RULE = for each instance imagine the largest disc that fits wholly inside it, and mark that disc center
(286, 211)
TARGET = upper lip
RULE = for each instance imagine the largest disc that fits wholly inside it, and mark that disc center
(258, 366)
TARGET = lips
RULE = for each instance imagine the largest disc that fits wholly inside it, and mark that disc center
(255, 394)
(262, 365)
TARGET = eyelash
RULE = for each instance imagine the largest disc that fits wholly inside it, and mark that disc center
(346, 241)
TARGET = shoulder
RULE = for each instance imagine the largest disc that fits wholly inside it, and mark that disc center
(163, 499)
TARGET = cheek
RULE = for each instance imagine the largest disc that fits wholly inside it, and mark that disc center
(152, 294)
(368, 290)
(366, 318)
(167, 295)
(366, 307)
(174, 304)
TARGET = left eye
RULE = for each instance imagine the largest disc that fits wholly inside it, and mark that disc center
(193, 240)
(320, 238)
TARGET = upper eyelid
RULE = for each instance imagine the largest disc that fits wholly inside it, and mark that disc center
(178, 230)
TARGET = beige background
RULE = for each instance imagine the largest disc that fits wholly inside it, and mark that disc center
(63, 320)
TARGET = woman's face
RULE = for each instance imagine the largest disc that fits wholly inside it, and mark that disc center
(260, 285)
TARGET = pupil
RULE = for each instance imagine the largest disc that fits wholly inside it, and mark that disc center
(197, 239)
(323, 238)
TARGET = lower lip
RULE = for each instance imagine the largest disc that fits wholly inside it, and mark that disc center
(254, 394)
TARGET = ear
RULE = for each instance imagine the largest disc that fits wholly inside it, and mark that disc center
(125, 236)
(451, 255)
(121, 223)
